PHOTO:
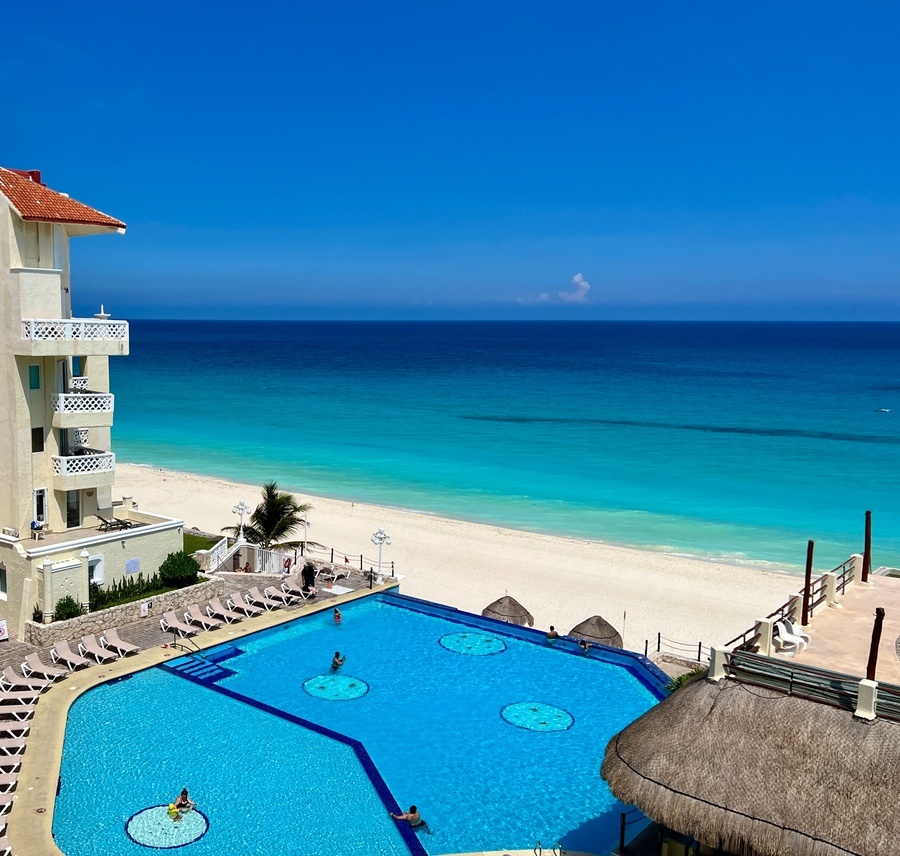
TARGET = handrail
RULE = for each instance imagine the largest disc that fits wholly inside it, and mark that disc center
(845, 574)
(181, 646)
(623, 823)
(698, 651)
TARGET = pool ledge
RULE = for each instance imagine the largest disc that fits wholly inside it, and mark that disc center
(31, 819)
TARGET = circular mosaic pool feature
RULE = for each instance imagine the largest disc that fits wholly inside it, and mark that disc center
(477, 644)
(537, 716)
(336, 687)
(153, 827)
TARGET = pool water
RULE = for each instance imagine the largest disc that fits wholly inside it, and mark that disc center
(498, 740)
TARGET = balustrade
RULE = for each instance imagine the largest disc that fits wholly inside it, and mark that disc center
(82, 402)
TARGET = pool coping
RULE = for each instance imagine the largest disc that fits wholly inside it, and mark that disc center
(31, 819)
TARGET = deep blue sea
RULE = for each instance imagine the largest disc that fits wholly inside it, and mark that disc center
(736, 441)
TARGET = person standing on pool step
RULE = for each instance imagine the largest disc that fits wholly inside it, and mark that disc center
(413, 818)
(338, 660)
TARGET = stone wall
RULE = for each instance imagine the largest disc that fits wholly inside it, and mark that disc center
(43, 635)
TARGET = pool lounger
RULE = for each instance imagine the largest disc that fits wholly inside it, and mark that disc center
(110, 639)
(34, 666)
(282, 597)
(5, 847)
(61, 652)
(8, 782)
(19, 712)
(6, 803)
(216, 609)
(19, 697)
(256, 596)
(10, 681)
(12, 745)
(236, 601)
(293, 586)
(170, 621)
(89, 646)
(194, 616)
(335, 572)
(15, 731)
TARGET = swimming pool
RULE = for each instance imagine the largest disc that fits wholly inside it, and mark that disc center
(497, 739)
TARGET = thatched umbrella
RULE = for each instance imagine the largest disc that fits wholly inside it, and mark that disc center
(597, 629)
(760, 773)
(508, 609)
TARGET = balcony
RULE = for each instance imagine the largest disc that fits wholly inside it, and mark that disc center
(68, 337)
(83, 468)
(82, 409)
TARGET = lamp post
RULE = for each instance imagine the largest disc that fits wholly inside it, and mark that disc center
(241, 509)
(381, 538)
(305, 530)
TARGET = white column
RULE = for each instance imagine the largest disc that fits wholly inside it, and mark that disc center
(766, 631)
(85, 580)
(867, 699)
(47, 571)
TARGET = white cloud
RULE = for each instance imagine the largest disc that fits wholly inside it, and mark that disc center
(579, 294)
(543, 297)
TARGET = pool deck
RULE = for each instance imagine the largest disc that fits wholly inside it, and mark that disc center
(31, 818)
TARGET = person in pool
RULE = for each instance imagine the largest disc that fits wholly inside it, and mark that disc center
(183, 802)
(337, 616)
(338, 660)
(584, 645)
(413, 818)
(552, 634)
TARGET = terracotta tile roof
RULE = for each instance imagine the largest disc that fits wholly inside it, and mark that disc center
(34, 201)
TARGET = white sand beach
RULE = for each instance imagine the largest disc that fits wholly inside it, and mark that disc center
(561, 581)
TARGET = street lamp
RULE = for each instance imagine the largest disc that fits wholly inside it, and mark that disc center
(241, 509)
(381, 538)
(303, 546)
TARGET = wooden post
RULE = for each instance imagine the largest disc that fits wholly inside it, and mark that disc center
(873, 648)
(867, 553)
(806, 585)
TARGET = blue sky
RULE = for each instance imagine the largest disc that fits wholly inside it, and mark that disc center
(394, 160)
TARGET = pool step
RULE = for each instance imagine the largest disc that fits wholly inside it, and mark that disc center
(202, 670)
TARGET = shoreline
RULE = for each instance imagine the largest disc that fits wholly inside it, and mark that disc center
(561, 580)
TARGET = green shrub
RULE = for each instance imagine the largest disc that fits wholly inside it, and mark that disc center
(67, 607)
(179, 570)
(126, 590)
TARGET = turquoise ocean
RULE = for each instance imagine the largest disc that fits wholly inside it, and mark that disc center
(730, 441)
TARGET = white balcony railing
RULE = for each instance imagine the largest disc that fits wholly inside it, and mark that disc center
(84, 329)
(82, 402)
(87, 461)
(78, 384)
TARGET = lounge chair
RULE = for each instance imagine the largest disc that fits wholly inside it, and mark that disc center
(124, 524)
(796, 630)
(283, 597)
(9, 680)
(110, 639)
(16, 730)
(34, 666)
(217, 609)
(8, 782)
(5, 847)
(9, 765)
(6, 803)
(18, 712)
(335, 572)
(170, 621)
(108, 525)
(19, 697)
(61, 652)
(194, 616)
(12, 745)
(267, 603)
(293, 586)
(236, 602)
(89, 646)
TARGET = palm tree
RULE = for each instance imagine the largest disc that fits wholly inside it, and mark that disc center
(273, 520)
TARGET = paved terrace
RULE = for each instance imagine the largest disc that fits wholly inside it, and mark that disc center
(840, 638)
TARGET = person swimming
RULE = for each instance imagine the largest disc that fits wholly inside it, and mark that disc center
(337, 616)
(183, 802)
(338, 660)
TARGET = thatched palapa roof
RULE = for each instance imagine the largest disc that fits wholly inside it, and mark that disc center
(760, 773)
(508, 609)
(597, 629)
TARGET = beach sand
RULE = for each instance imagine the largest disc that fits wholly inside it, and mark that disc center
(561, 581)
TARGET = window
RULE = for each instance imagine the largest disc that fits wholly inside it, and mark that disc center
(3, 581)
(34, 377)
(37, 439)
(78, 366)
